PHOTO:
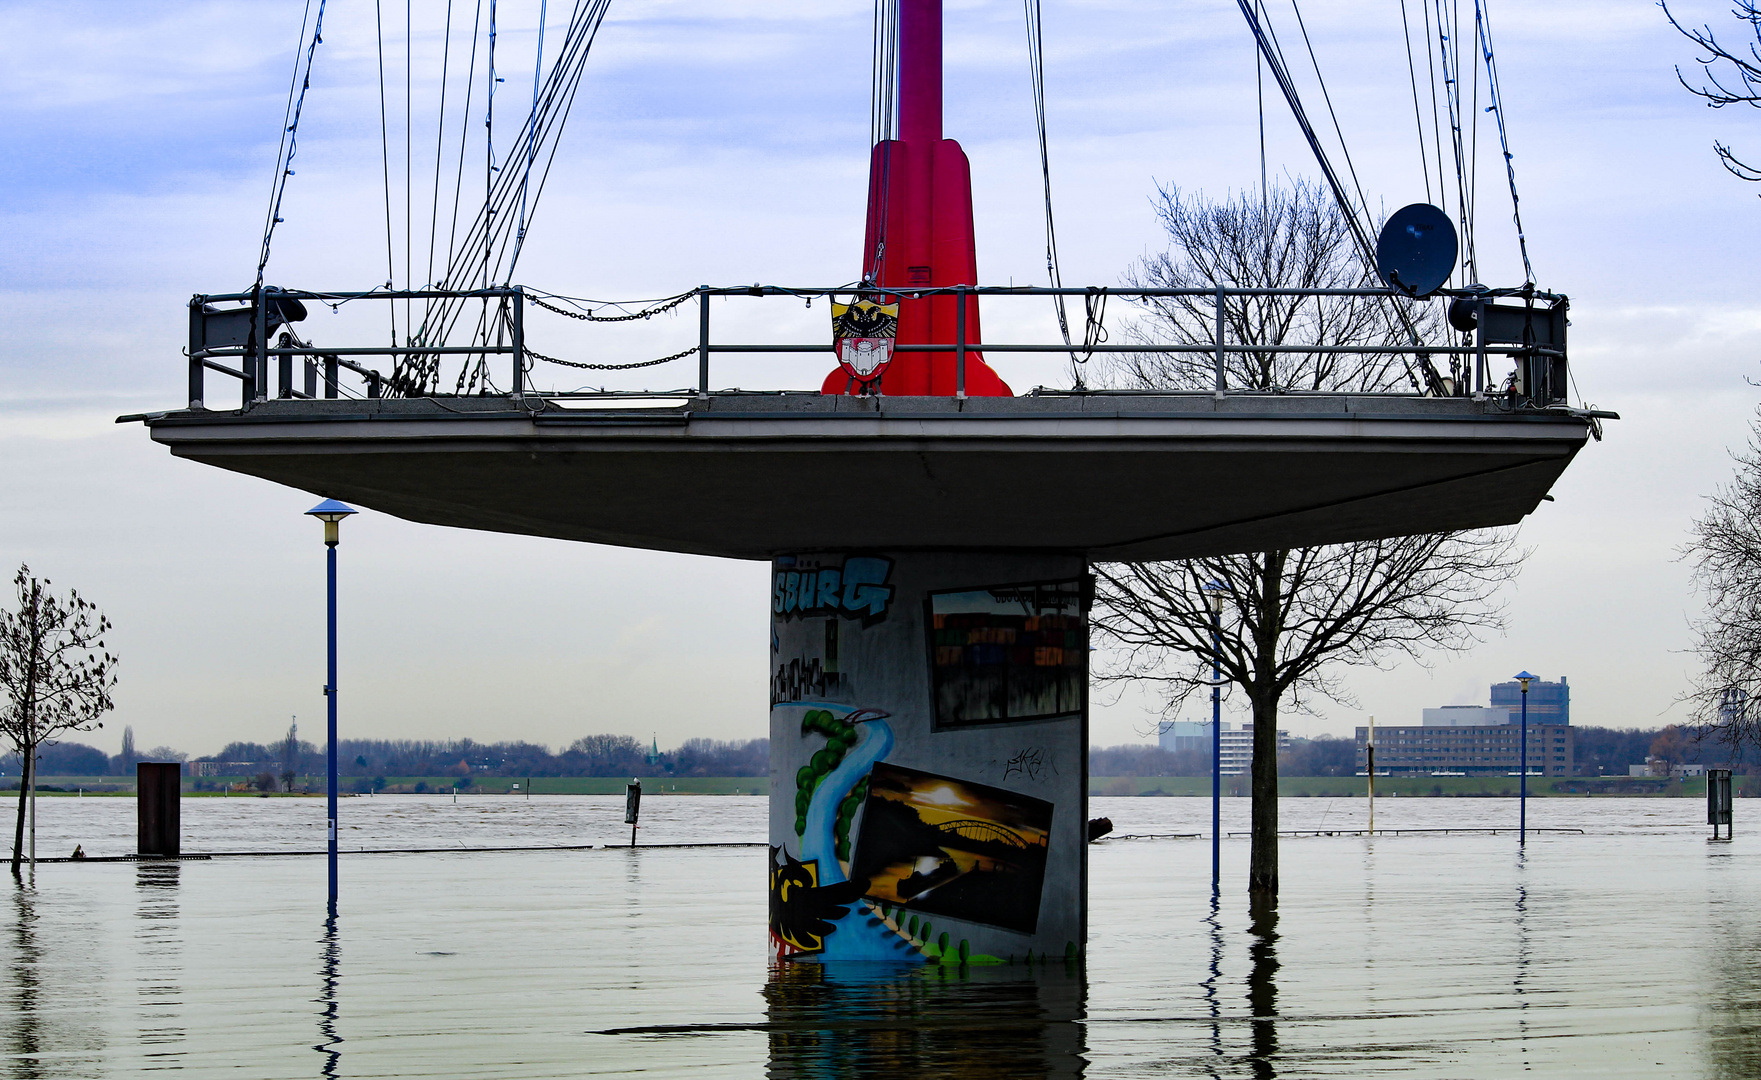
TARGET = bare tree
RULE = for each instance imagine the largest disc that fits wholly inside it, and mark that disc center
(1725, 555)
(290, 756)
(56, 673)
(1291, 619)
(1733, 77)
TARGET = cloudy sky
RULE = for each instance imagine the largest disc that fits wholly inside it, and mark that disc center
(726, 143)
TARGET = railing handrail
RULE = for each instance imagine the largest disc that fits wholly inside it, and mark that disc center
(1542, 364)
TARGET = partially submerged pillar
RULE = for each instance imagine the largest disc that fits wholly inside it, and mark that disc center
(929, 719)
(157, 803)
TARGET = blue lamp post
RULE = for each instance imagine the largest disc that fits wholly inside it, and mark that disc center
(331, 513)
(1214, 595)
(1522, 829)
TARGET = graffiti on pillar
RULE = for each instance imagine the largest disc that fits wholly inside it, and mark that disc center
(1008, 653)
(938, 845)
(802, 911)
(1036, 763)
(809, 677)
(851, 587)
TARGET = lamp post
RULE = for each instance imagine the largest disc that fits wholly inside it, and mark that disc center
(1214, 596)
(331, 513)
(1522, 829)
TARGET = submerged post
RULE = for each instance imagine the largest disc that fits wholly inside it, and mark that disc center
(1215, 597)
(1522, 827)
(1718, 801)
(157, 806)
(331, 513)
(1370, 769)
(632, 806)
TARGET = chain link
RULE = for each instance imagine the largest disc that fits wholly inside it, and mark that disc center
(590, 317)
(680, 355)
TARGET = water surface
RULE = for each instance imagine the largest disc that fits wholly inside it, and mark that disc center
(1631, 949)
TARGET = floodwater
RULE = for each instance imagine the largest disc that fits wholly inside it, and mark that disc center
(1629, 949)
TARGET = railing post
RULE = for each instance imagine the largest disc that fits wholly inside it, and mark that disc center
(197, 347)
(284, 369)
(703, 340)
(1217, 343)
(256, 388)
(1480, 371)
(519, 341)
(330, 374)
(960, 344)
(311, 378)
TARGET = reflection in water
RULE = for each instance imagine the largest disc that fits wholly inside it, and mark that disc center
(1733, 992)
(1522, 956)
(1213, 1004)
(24, 1047)
(159, 945)
(1009, 1022)
(1262, 987)
(330, 1042)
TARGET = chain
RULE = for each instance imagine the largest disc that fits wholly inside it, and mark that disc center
(590, 317)
(680, 355)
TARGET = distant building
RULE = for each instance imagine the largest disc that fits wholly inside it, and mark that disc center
(1178, 735)
(1237, 755)
(1483, 750)
(1549, 702)
(1466, 716)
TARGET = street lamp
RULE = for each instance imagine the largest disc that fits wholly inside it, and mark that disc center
(331, 513)
(1522, 832)
(1214, 597)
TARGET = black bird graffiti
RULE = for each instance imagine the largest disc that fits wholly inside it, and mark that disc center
(801, 909)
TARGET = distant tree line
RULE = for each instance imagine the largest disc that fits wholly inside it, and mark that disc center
(1608, 751)
(290, 758)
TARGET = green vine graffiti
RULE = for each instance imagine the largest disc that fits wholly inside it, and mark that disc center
(840, 737)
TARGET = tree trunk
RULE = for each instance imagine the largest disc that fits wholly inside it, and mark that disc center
(1262, 873)
(29, 758)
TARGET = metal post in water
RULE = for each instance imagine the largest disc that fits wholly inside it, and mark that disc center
(1215, 591)
(1718, 804)
(1370, 768)
(632, 806)
(331, 513)
(1522, 828)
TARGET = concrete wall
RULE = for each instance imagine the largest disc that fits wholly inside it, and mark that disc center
(928, 768)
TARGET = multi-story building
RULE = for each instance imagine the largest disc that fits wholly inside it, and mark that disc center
(1237, 743)
(1492, 750)
(1549, 702)
(1481, 740)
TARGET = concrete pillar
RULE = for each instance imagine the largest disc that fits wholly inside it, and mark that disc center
(157, 801)
(929, 773)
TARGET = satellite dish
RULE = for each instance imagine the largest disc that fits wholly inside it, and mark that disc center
(1416, 251)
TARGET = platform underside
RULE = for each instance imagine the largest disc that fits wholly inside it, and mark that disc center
(747, 476)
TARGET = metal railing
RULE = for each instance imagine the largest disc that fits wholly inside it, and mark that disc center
(1532, 333)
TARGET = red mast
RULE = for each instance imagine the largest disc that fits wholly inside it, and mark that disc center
(920, 224)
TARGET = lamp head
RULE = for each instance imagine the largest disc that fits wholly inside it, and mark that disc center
(1525, 678)
(330, 512)
(1214, 597)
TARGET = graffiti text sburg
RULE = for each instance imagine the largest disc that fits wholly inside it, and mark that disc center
(857, 591)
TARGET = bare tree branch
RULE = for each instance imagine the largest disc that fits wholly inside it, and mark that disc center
(1742, 73)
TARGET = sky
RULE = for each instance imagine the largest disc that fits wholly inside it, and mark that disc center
(727, 143)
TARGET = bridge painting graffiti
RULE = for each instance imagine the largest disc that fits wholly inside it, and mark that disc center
(950, 847)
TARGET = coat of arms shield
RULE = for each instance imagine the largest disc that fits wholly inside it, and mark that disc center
(863, 333)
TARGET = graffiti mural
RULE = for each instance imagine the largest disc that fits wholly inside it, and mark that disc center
(1008, 653)
(923, 730)
(944, 846)
(855, 589)
(802, 911)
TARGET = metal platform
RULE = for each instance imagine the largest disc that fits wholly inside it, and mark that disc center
(748, 475)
